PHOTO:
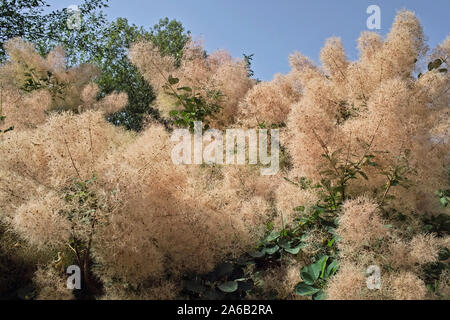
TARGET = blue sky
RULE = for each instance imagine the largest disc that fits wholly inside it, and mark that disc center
(272, 29)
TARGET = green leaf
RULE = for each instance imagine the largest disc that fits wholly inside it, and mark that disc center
(320, 295)
(9, 129)
(331, 242)
(331, 269)
(444, 201)
(185, 89)
(272, 250)
(173, 80)
(300, 209)
(173, 113)
(303, 289)
(437, 63)
(323, 264)
(319, 209)
(228, 287)
(434, 65)
(307, 276)
(294, 250)
(272, 236)
(284, 243)
(257, 254)
(316, 268)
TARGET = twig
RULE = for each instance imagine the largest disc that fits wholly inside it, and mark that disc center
(70, 155)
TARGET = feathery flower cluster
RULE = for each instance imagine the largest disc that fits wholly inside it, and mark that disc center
(204, 74)
(71, 180)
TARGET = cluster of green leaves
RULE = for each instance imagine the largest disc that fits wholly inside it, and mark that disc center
(27, 19)
(170, 37)
(195, 107)
(83, 200)
(48, 81)
(229, 281)
(433, 271)
(119, 74)
(436, 65)
(83, 205)
(397, 174)
(21, 18)
(346, 111)
(81, 45)
(315, 276)
(290, 240)
(226, 282)
(106, 44)
(323, 216)
(444, 197)
(438, 224)
(340, 169)
(248, 58)
(277, 243)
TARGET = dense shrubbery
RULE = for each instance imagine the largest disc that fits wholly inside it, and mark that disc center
(365, 182)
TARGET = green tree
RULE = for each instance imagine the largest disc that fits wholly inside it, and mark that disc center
(171, 37)
(21, 18)
(96, 41)
(27, 19)
(81, 45)
(118, 74)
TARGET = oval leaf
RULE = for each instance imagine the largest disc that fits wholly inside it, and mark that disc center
(294, 250)
(307, 276)
(320, 296)
(173, 80)
(272, 236)
(303, 289)
(284, 243)
(257, 254)
(331, 269)
(228, 287)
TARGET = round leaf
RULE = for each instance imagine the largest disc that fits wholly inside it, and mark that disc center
(308, 276)
(228, 287)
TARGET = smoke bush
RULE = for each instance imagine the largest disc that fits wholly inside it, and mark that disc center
(371, 133)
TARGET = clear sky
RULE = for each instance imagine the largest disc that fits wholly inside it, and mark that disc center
(272, 29)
